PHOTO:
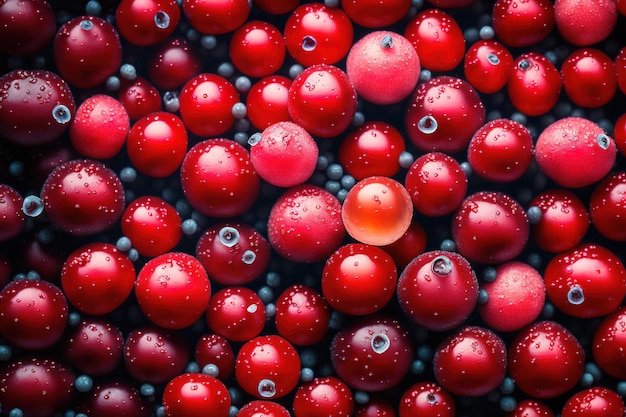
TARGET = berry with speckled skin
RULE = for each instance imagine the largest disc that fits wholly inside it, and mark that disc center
(585, 22)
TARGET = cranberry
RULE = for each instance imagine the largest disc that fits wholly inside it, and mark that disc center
(215, 350)
(266, 102)
(373, 354)
(587, 281)
(585, 23)
(377, 406)
(37, 387)
(233, 253)
(359, 279)
(609, 344)
(267, 367)
(36, 108)
(377, 211)
(302, 315)
(169, 281)
(607, 205)
(139, 97)
(157, 144)
(34, 314)
(100, 127)
(589, 77)
(426, 399)
(378, 56)
(487, 66)
(87, 278)
(490, 227)
(438, 290)
(523, 23)
(12, 218)
(173, 63)
(260, 408)
(274, 7)
(115, 397)
(191, 394)
(26, 27)
(437, 38)
(437, 184)
(322, 100)
(411, 243)
(620, 68)
(147, 22)
(83, 197)
(575, 152)
(443, 115)
(305, 224)
(257, 49)
(236, 313)
(375, 14)
(531, 408)
(87, 51)
(94, 347)
(316, 34)
(323, 397)
(216, 17)
(218, 178)
(592, 402)
(545, 360)
(154, 355)
(535, 84)
(285, 154)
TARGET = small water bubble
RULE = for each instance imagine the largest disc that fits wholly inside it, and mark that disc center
(427, 125)
(162, 19)
(493, 59)
(575, 295)
(86, 25)
(266, 388)
(61, 114)
(441, 266)
(386, 42)
(604, 141)
(32, 206)
(228, 236)
(380, 343)
(248, 257)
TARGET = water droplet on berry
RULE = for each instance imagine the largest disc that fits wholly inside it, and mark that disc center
(248, 257)
(604, 141)
(380, 343)
(161, 19)
(427, 125)
(575, 295)
(441, 266)
(62, 114)
(266, 388)
(228, 236)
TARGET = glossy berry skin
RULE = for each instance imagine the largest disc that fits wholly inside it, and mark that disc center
(100, 127)
(260, 408)
(487, 66)
(377, 406)
(437, 38)
(443, 115)
(153, 355)
(321, 397)
(545, 360)
(302, 315)
(87, 50)
(372, 354)
(115, 397)
(139, 97)
(267, 367)
(37, 107)
(305, 224)
(575, 152)
(26, 26)
(359, 279)
(589, 77)
(377, 211)
(619, 133)
(168, 282)
(147, 22)
(316, 34)
(378, 56)
(274, 7)
(472, 362)
(192, 394)
(374, 14)
(535, 84)
(215, 349)
(437, 184)
(516, 297)
(584, 23)
(12, 218)
(97, 278)
(609, 344)
(173, 64)
(490, 227)
(94, 347)
(620, 67)
(372, 149)
(607, 208)
(34, 314)
(152, 225)
(257, 49)
(236, 313)
(594, 402)
(83, 197)
(522, 23)
(322, 100)
(588, 281)
(531, 408)
(285, 155)
(218, 178)
(501, 150)
(563, 223)
(266, 101)
(206, 103)
(426, 399)
(438, 290)
(38, 387)
(233, 257)
(216, 17)
(411, 243)
(157, 144)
